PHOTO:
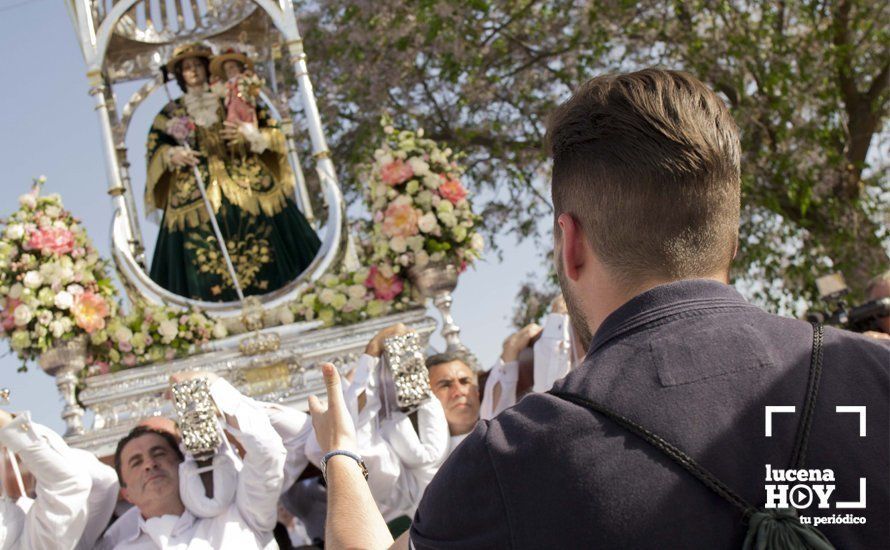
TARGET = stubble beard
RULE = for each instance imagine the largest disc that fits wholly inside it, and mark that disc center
(573, 305)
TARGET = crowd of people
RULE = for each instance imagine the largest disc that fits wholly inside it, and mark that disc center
(267, 475)
(633, 418)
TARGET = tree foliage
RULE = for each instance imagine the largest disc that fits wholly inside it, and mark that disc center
(808, 83)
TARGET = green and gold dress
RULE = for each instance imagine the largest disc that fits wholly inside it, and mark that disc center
(250, 186)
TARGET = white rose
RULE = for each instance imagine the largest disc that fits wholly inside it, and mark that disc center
(398, 244)
(64, 300)
(427, 223)
(48, 270)
(53, 211)
(15, 291)
(65, 274)
(415, 243)
(326, 295)
(477, 243)
(168, 330)
(421, 258)
(285, 316)
(33, 279)
(219, 330)
(447, 219)
(419, 166)
(356, 292)
(58, 328)
(22, 315)
(44, 317)
(28, 201)
(432, 180)
(15, 231)
(123, 334)
(460, 233)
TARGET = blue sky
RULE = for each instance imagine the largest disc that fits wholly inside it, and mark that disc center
(48, 126)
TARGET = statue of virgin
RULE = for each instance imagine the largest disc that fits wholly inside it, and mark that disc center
(249, 184)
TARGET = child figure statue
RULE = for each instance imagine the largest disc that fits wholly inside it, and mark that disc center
(242, 85)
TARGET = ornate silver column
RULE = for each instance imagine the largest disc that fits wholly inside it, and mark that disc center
(437, 282)
(64, 361)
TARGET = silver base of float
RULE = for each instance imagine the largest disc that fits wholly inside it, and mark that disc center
(287, 375)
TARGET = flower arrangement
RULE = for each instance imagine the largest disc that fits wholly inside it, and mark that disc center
(148, 334)
(53, 284)
(249, 87)
(351, 296)
(421, 212)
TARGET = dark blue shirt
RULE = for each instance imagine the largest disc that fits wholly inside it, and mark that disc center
(695, 363)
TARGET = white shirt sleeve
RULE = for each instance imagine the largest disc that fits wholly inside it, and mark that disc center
(295, 428)
(423, 449)
(58, 516)
(507, 376)
(261, 477)
(553, 352)
(102, 499)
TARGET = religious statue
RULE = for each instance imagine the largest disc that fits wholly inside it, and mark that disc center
(241, 155)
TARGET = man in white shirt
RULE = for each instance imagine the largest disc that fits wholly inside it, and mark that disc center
(147, 462)
(57, 517)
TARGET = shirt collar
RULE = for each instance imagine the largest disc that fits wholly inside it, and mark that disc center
(664, 301)
(182, 523)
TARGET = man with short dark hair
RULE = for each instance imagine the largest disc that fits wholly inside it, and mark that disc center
(646, 197)
(456, 387)
(147, 461)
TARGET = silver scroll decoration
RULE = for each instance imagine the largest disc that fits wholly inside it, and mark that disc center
(404, 371)
(197, 417)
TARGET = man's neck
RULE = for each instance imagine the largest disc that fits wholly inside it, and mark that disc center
(165, 509)
(454, 430)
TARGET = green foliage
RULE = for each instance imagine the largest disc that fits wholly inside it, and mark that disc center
(808, 83)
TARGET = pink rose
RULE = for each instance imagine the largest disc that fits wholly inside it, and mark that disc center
(129, 360)
(400, 219)
(385, 288)
(453, 191)
(180, 128)
(396, 172)
(90, 311)
(51, 240)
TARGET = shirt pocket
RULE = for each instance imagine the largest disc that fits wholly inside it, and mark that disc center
(708, 350)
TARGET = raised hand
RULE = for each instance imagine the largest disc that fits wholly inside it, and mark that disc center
(333, 425)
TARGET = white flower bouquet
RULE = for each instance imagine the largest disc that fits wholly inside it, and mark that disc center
(150, 334)
(53, 284)
(350, 297)
(421, 212)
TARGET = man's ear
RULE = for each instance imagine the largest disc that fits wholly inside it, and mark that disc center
(572, 250)
(126, 496)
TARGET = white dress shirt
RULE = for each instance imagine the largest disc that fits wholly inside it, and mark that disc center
(248, 522)
(420, 451)
(553, 360)
(553, 352)
(57, 517)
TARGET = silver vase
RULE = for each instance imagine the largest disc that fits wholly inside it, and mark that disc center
(64, 361)
(436, 281)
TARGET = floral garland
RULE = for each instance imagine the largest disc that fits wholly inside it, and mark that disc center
(351, 296)
(421, 211)
(53, 284)
(149, 334)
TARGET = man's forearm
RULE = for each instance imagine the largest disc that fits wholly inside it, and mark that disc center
(353, 518)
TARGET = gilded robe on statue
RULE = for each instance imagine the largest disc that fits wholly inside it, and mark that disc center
(250, 186)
